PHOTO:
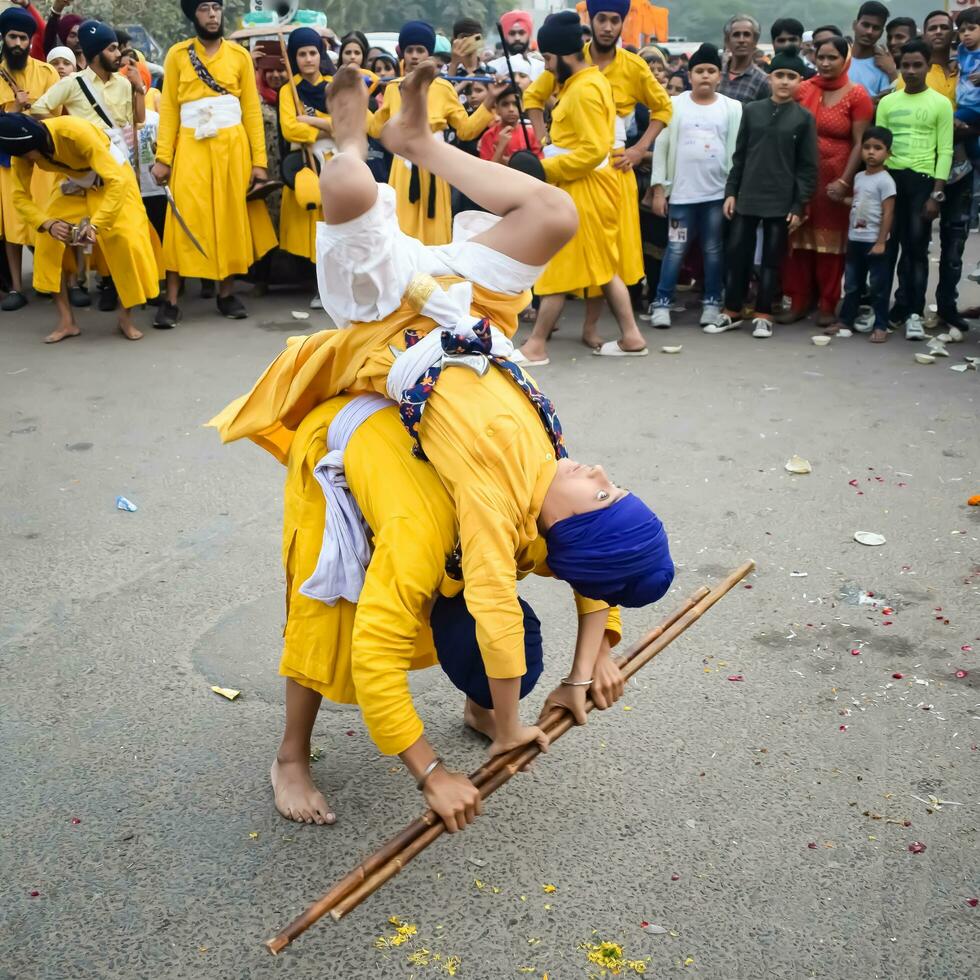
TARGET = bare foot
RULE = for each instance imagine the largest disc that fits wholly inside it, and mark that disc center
(411, 123)
(832, 329)
(62, 332)
(128, 329)
(479, 719)
(879, 336)
(347, 96)
(591, 340)
(297, 797)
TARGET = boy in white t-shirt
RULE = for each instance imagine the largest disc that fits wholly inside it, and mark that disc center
(872, 211)
(691, 160)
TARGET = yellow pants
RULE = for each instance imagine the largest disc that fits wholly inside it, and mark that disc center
(13, 228)
(297, 227)
(125, 245)
(362, 654)
(413, 217)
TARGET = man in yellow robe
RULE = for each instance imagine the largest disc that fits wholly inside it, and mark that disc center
(424, 201)
(211, 150)
(632, 84)
(111, 99)
(95, 200)
(354, 639)
(515, 495)
(579, 161)
(23, 80)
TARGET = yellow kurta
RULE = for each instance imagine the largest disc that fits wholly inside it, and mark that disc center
(116, 209)
(297, 225)
(36, 78)
(363, 653)
(210, 176)
(632, 82)
(583, 127)
(445, 110)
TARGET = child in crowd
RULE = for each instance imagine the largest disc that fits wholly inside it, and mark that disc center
(63, 61)
(691, 161)
(872, 211)
(967, 112)
(773, 175)
(506, 136)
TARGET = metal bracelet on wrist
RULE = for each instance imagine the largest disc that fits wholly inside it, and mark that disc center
(567, 682)
(428, 771)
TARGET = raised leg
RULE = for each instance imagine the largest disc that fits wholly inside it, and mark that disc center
(537, 219)
(297, 797)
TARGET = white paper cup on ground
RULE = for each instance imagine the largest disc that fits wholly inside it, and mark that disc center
(870, 538)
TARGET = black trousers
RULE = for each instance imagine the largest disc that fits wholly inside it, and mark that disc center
(954, 227)
(908, 245)
(741, 257)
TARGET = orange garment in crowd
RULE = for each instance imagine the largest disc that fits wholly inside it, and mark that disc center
(643, 21)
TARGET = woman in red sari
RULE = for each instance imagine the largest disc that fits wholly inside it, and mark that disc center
(843, 110)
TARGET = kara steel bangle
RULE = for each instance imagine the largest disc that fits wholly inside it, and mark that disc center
(571, 683)
(428, 771)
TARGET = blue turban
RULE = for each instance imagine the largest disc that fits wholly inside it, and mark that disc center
(17, 19)
(189, 7)
(619, 554)
(416, 32)
(304, 37)
(94, 37)
(20, 133)
(454, 632)
(621, 7)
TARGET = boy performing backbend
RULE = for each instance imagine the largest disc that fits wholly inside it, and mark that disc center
(493, 439)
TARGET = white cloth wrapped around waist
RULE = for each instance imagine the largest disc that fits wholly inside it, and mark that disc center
(553, 150)
(413, 363)
(364, 265)
(86, 180)
(207, 116)
(619, 131)
(322, 149)
(346, 549)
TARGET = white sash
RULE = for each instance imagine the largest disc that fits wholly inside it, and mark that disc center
(553, 150)
(207, 116)
(346, 549)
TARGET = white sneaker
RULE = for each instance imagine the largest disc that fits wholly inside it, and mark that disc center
(761, 328)
(722, 324)
(864, 322)
(710, 314)
(914, 328)
(315, 303)
(975, 275)
(660, 317)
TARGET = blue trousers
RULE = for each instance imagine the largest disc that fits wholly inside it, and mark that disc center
(860, 265)
(685, 224)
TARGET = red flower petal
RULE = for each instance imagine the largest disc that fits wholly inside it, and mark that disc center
(736, 677)
(855, 653)
(887, 611)
(887, 622)
(843, 728)
(350, 731)
(675, 877)
(898, 676)
(962, 673)
(852, 483)
(643, 925)
(75, 821)
(35, 894)
(966, 648)
(747, 586)
(973, 902)
(917, 847)
(812, 845)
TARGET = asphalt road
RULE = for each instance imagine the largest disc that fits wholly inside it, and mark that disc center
(722, 828)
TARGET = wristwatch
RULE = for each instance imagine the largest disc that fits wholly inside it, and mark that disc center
(938, 196)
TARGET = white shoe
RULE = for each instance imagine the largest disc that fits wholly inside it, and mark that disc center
(611, 348)
(914, 328)
(975, 275)
(710, 314)
(315, 303)
(864, 323)
(660, 317)
(722, 324)
(955, 335)
(761, 328)
(518, 358)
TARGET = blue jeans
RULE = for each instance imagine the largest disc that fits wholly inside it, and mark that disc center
(859, 266)
(687, 223)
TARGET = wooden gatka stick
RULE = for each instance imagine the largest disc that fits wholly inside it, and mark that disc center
(374, 871)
